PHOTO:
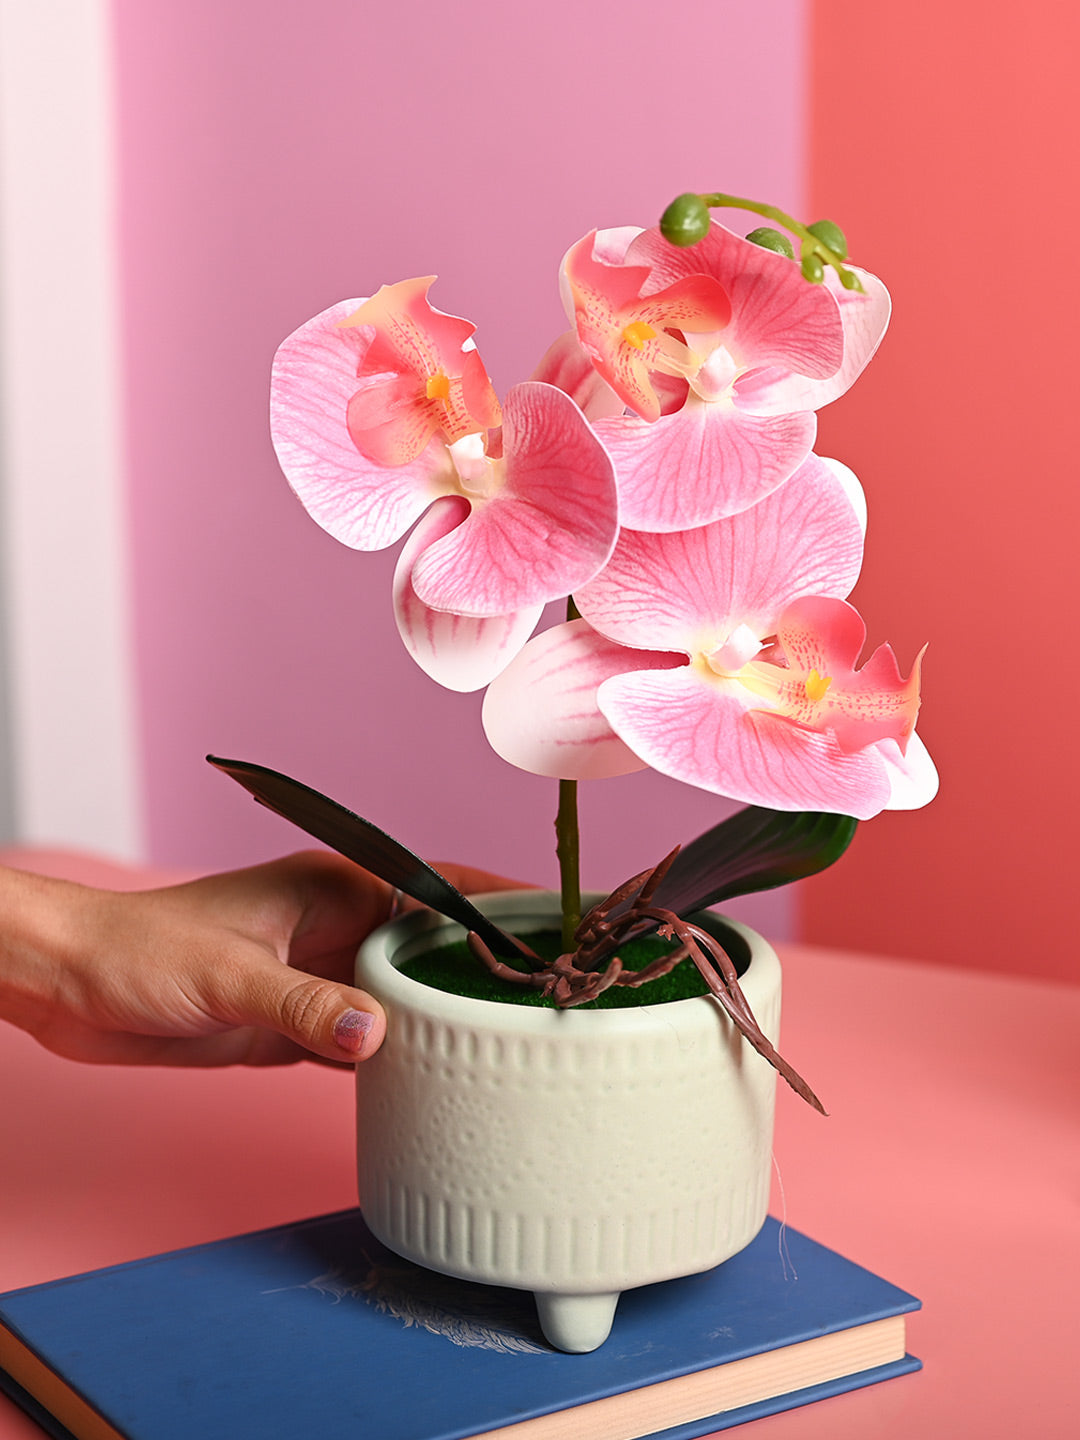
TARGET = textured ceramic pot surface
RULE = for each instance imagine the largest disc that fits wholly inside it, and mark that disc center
(569, 1152)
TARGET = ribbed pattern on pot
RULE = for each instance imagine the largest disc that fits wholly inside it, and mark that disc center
(537, 1252)
(658, 1163)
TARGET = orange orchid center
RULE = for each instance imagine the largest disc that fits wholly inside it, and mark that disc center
(637, 332)
(438, 386)
(817, 686)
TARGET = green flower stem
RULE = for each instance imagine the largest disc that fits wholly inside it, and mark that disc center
(811, 245)
(568, 843)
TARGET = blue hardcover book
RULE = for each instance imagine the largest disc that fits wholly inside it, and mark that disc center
(314, 1328)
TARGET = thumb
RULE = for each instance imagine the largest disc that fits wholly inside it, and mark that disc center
(336, 1022)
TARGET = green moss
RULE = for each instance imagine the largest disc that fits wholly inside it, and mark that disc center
(455, 969)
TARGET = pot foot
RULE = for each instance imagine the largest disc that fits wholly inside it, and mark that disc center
(577, 1323)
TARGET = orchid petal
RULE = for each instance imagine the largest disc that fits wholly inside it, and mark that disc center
(706, 461)
(625, 332)
(358, 501)
(865, 318)
(566, 366)
(698, 728)
(690, 589)
(819, 686)
(408, 334)
(610, 245)
(390, 422)
(460, 652)
(478, 393)
(410, 338)
(549, 527)
(609, 248)
(777, 318)
(541, 713)
(852, 488)
(913, 776)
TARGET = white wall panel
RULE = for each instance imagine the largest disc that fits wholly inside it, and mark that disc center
(63, 562)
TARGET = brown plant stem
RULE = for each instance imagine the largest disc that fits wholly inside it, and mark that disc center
(568, 849)
(568, 842)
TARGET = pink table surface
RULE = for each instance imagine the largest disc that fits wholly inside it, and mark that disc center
(950, 1164)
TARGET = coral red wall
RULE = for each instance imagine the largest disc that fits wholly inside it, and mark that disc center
(945, 141)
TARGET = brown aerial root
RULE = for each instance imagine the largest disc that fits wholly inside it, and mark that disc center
(576, 978)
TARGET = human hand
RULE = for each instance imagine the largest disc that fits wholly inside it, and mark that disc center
(251, 967)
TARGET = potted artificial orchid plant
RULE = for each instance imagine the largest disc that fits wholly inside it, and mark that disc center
(657, 473)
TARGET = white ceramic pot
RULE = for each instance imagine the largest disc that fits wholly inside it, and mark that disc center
(573, 1153)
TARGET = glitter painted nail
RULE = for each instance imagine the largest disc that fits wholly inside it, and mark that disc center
(351, 1029)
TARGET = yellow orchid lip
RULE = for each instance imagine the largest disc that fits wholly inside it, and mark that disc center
(817, 686)
(637, 332)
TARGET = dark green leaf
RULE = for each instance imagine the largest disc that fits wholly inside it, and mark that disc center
(756, 849)
(360, 840)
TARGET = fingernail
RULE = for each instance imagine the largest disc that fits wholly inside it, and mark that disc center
(351, 1029)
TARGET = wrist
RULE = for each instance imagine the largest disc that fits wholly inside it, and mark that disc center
(37, 943)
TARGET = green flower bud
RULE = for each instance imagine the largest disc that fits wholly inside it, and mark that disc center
(849, 280)
(813, 269)
(770, 239)
(830, 235)
(686, 220)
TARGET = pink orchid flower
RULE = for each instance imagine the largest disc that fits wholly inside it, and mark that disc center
(626, 329)
(381, 411)
(726, 657)
(420, 375)
(724, 411)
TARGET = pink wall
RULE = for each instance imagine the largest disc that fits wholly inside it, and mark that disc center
(278, 157)
(950, 156)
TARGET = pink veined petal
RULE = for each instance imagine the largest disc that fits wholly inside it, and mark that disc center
(478, 393)
(380, 393)
(688, 590)
(777, 317)
(566, 366)
(413, 340)
(541, 713)
(706, 461)
(460, 652)
(852, 488)
(876, 700)
(549, 529)
(820, 688)
(912, 775)
(361, 503)
(698, 729)
(609, 247)
(390, 421)
(809, 770)
(623, 332)
(410, 335)
(671, 392)
(865, 318)
(593, 282)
